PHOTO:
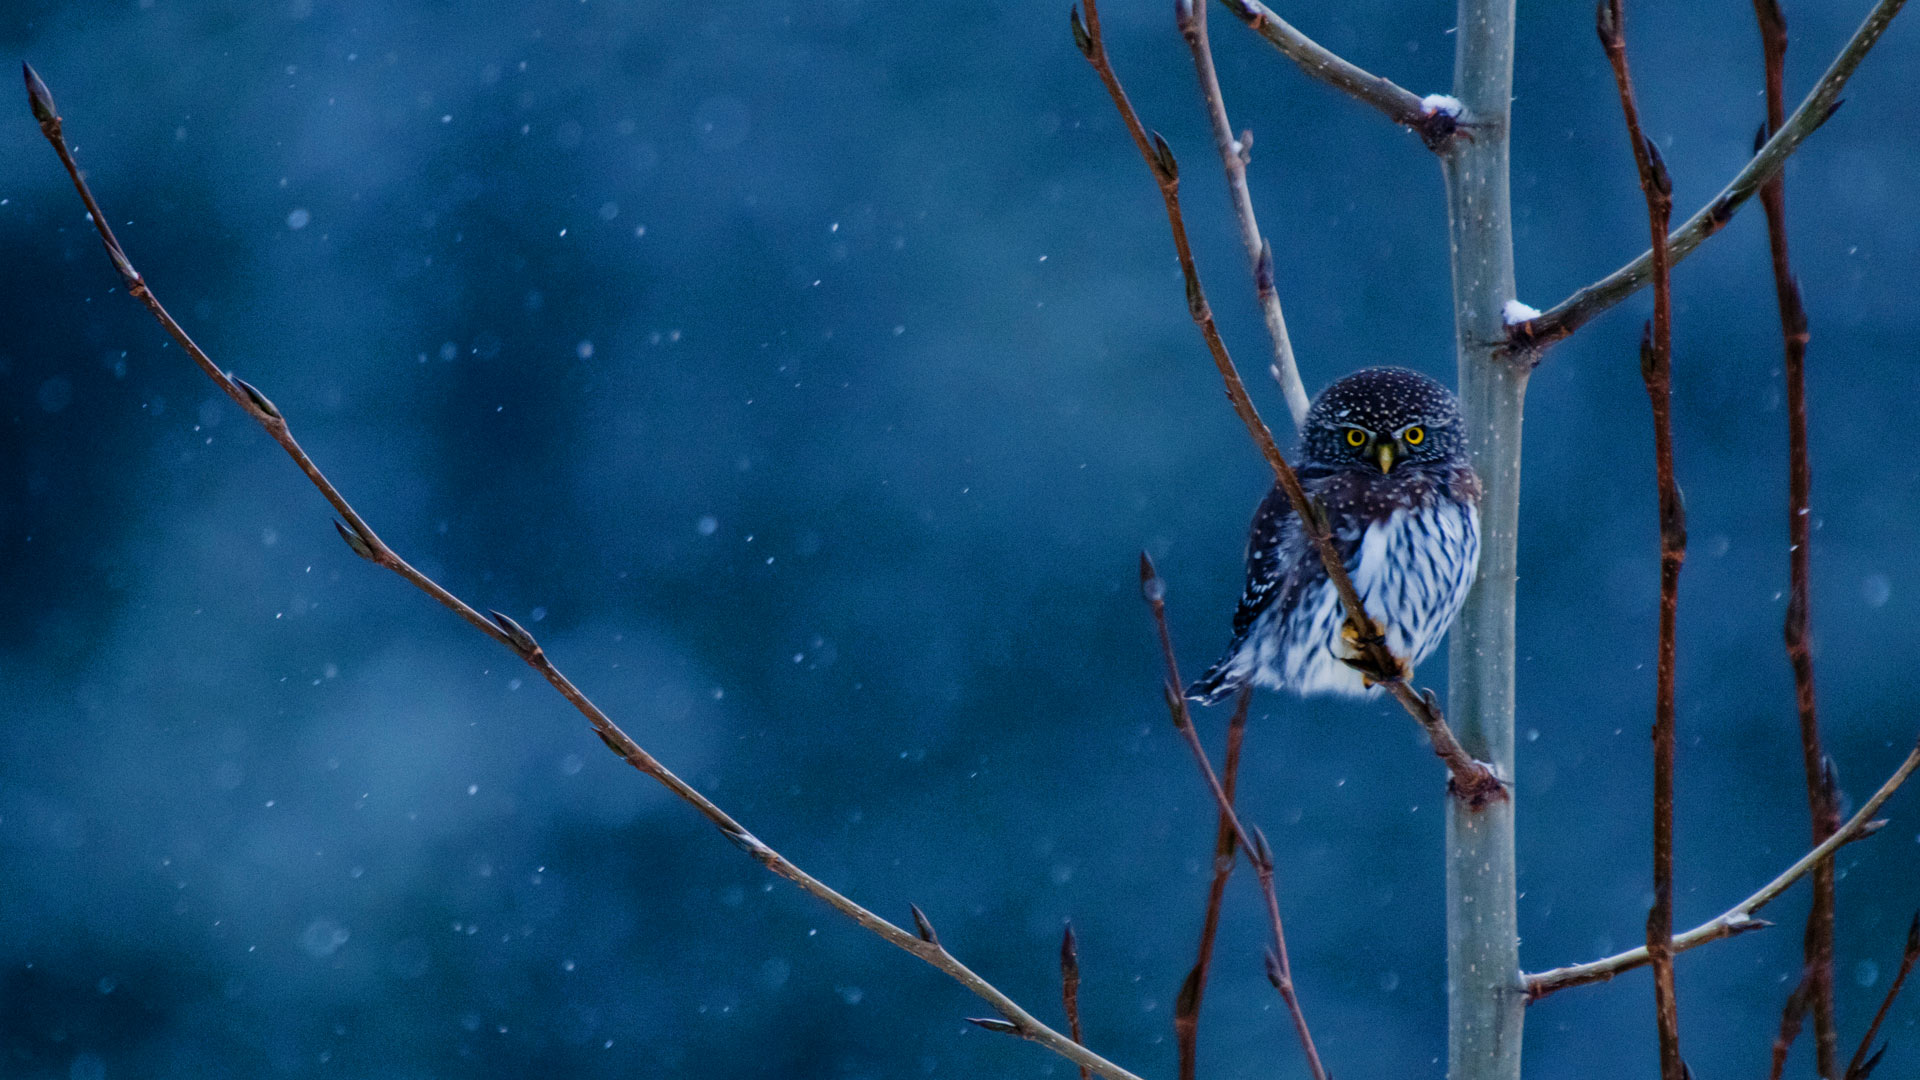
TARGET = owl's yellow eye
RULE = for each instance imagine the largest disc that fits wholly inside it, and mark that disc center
(1356, 437)
(1414, 435)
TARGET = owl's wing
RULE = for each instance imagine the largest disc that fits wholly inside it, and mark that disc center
(1281, 566)
(1276, 545)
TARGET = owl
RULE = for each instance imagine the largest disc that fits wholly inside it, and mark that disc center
(1383, 452)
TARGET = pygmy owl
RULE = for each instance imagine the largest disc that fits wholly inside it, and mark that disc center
(1383, 452)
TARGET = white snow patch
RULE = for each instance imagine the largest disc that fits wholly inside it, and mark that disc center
(1443, 103)
(1516, 313)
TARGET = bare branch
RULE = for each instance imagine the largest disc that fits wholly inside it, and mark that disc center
(1577, 310)
(1235, 153)
(368, 545)
(1823, 807)
(1399, 105)
(1862, 1064)
(1258, 853)
(1070, 987)
(1791, 1018)
(1186, 1011)
(1375, 660)
(1739, 918)
(1656, 369)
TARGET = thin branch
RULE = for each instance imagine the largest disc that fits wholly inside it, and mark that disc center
(1738, 918)
(1279, 972)
(1823, 808)
(1235, 153)
(1186, 1011)
(1070, 988)
(1862, 1065)
(1473, 781)
(368, 545)
(1656, 369)
(1537, 334)
(1791, 1018)
(1399, 105)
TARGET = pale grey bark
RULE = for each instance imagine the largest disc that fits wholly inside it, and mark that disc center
(1486, 998)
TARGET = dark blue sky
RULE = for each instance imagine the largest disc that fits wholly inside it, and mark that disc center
(807, 376)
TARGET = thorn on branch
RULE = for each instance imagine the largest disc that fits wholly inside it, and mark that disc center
(923, 927)
(517, 635)
(354, 540)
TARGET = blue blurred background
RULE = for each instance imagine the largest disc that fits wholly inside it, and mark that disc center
(806, 376)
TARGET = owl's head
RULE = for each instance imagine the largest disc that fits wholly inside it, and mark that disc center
(1383, 418)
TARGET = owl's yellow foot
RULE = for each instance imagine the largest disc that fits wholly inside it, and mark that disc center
(1375, 665)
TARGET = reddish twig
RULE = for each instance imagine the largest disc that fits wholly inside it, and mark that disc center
(1070, 988)
(1791, 1018)
(1186, 1009)
(1235, 153)
(1737, 919)
(1656, 369)
(1473, 781)
(1822, 800)
(1434, 126)
(1279, 972)
(1862, 1065)
(1561, 320)
(367, 544)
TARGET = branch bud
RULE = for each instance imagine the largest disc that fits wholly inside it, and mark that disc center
(1662, 182)
(1261, 854)
(1069, 958)
(1186, 1006)
(517, 635)
(922, 926)
(255, 398)
(1275, 974)
(1081, 39)
(1151, 587)
(354, 540)
(991, 1024)
(39, 98)
(1164, 164)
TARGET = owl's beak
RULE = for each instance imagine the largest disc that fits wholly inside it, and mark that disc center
(1384, 452)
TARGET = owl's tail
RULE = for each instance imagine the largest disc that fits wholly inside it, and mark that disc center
(1222, 680)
